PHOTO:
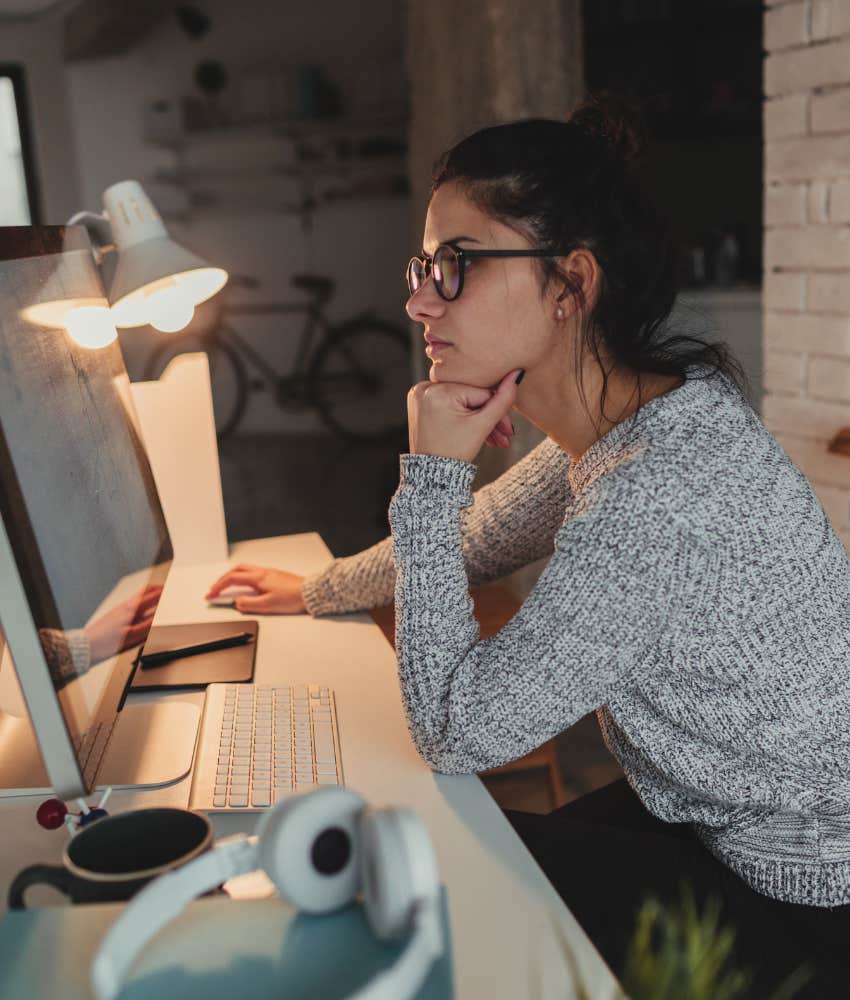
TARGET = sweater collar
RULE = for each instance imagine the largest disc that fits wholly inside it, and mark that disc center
(600, 456)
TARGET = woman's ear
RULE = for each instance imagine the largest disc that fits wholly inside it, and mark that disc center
(578, 283)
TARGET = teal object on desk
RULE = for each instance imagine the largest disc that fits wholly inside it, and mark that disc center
(218, 949)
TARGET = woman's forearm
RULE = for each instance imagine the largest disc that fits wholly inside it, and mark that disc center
(511, 523)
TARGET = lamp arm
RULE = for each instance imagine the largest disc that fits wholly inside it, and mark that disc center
(99, 230)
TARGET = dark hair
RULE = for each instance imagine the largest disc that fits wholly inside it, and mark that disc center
(579, 183)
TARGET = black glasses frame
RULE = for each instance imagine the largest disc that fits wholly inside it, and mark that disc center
(462, 254)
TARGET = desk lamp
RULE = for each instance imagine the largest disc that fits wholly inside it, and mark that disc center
(149, 278)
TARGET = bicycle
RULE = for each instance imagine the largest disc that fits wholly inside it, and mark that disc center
(357, 373)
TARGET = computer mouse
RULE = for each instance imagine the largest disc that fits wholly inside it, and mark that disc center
(227, 598)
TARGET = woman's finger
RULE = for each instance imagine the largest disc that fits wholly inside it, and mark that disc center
(261, 604)
(236, 578)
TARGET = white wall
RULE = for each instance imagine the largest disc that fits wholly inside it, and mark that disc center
(362, 243)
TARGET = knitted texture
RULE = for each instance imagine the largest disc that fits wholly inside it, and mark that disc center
(512, 523)
(696, 596)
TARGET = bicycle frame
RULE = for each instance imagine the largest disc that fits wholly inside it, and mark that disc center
(315, 320)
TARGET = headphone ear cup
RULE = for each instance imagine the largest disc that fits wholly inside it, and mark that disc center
(309, 846)
(398, 868)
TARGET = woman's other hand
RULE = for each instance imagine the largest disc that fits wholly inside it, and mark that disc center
(454, 420)
(278, 592)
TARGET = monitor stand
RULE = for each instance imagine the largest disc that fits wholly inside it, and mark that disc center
(153, 744)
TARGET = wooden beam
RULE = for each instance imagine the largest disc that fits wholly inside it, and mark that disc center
(98, 28)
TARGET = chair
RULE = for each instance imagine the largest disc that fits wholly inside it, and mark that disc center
(495, 605)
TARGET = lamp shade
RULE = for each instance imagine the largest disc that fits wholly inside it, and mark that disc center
(155, 280)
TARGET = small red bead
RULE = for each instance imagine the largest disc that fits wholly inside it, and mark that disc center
(51, 814)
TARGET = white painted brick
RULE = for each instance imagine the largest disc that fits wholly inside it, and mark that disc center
(831, 111)
(836, 503)
(815, 462)
(802, 69)
(784, 291)
(786, 26)
(784, 116)
(839, 201)
(801, 248)
(784, 372)
(808, 157)
(818, 201)
(807, 333)
(829, 378)
(829, 292)
(829, 19)
(784, 204)
(808, 418)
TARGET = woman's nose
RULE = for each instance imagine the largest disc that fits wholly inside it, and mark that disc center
(425, 303)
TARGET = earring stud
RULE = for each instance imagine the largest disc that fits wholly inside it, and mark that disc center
(559, 313)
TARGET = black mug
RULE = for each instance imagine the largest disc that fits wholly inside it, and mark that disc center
(115, 856)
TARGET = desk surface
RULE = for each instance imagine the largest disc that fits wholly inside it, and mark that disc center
(512, 935)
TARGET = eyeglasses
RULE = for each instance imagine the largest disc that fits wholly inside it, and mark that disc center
(448, 265)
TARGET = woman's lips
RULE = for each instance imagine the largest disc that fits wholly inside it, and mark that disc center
(436, 346)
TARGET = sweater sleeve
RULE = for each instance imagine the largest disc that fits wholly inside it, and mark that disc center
(616, 580)
(68, 654)
(512, 522)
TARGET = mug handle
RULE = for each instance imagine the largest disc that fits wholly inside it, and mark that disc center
(55, 875)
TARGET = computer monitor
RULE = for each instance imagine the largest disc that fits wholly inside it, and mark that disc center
(84, 548)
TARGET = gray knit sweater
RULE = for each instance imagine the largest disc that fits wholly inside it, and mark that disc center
(697, 597)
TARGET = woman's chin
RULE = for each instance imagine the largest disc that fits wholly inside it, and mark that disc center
(440, 372)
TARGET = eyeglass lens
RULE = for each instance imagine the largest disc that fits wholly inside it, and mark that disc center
(445, 269)
(447, 272)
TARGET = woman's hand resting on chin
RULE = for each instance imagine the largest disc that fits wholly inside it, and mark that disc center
(278, 592)
(454, 420)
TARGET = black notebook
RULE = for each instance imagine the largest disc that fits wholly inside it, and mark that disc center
(229, 665)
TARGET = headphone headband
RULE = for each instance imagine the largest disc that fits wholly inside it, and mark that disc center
(319, 848)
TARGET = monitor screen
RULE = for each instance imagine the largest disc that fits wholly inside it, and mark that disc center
(77, 497)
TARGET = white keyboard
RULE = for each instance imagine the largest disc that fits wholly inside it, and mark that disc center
(260, 743)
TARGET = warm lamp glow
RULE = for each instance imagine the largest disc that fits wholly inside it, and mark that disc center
(170, 309)
(164, 302)
(91, 326)
(54, 312)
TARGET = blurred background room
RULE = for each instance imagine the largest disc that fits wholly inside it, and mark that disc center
(291, 144)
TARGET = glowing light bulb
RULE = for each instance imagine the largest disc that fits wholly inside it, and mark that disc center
(169, 309)
(90, 326)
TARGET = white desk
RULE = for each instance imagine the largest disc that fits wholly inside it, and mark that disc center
(512, 935)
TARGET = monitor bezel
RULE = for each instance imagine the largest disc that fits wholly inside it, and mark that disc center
(42, 699)
(34, 677)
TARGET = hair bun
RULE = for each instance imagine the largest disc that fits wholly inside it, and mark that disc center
(612, 119)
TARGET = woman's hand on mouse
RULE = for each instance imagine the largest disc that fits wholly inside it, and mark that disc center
(277, 592)
(454, 420)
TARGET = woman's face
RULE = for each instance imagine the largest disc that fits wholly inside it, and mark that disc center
(500, 321)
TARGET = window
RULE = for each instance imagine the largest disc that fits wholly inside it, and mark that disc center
(17, 181)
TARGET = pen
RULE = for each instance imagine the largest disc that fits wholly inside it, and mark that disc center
(177, 652)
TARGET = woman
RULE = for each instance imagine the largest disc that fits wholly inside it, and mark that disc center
(696, 596)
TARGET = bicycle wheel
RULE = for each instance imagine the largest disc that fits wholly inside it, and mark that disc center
(228, 376)
(359, 377)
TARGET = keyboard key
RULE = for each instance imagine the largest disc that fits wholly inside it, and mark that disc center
(271, 741)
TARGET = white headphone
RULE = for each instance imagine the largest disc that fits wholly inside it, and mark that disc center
(320, 848)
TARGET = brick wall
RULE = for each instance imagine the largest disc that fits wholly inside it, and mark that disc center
(806, 336)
